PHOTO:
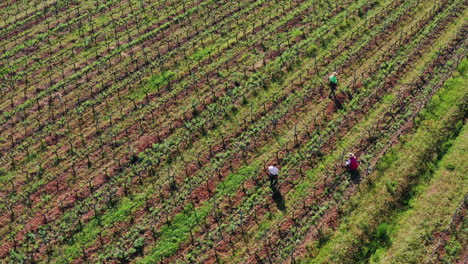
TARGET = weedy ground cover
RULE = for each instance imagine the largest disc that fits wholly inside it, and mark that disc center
(138, 131)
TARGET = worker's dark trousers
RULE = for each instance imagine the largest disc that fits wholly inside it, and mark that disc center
(273, 180)
(332, 88)
(354, 174)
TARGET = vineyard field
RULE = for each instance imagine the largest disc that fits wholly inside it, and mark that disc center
(141, 131)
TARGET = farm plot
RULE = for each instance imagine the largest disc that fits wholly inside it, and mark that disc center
(139, 131)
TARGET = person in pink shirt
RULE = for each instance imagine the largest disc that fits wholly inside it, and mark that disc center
(352, 163)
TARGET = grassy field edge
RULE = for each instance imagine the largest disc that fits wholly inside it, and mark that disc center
(396, 177)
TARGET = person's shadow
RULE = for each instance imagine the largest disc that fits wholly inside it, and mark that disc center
(338, 104)
(279, 200)
(355, 176)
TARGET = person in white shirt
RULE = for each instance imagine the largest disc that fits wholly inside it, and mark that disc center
(273, 175)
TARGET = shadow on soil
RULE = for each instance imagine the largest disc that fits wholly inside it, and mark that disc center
(338, 104)
(339, 99)
(279, 200)
(355, 176)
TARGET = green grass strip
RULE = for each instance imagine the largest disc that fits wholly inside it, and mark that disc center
(398, 172)
(178, 231)
(431, 210)
(96, 225)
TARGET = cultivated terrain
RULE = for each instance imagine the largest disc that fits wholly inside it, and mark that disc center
(138, 131)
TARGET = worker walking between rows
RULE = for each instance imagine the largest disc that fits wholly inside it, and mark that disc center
(352, 163)
(333, 83)
(352, 166)
(273, 172)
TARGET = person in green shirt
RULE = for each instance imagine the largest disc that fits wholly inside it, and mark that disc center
(333, 83)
